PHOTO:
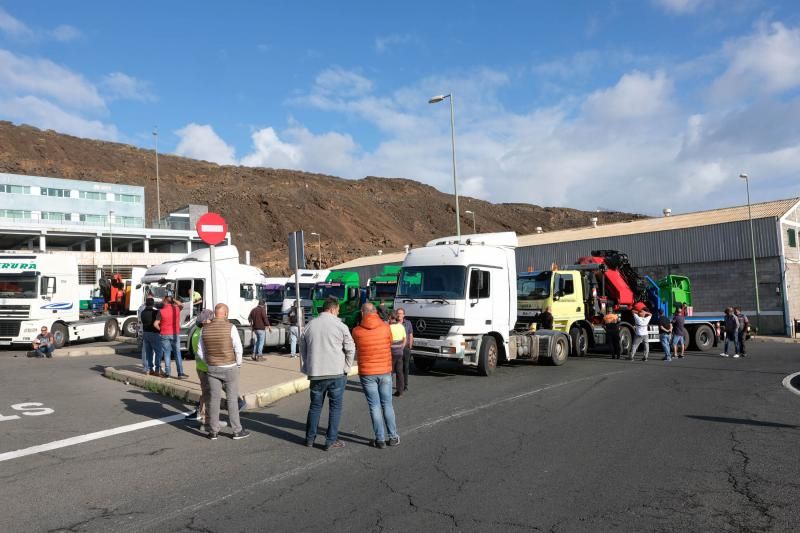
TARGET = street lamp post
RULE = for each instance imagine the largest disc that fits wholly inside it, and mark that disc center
(436, 100)
(473, 220)
(158, 186)
(319, 247)
(746, 179)
(111, 240)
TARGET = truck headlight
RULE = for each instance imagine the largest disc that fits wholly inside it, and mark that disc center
(451, 350)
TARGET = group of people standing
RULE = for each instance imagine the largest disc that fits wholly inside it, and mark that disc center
(161, 328)
(327, 353)
(736, 325)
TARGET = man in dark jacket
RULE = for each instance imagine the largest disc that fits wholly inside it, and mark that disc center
(744, 325)
(260, 324)
(731, 332)
(151, 338)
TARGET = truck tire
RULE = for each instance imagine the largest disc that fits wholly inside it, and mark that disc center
(60, 335)
(487, 357)
(625, 340)
(129, 327)
(703, 338)
(579, 341)
(559, 350)
(111, 330)
(424, 364)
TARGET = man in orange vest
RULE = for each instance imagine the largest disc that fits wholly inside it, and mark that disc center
(373, 340)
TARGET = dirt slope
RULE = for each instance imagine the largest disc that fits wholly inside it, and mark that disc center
(262, 205)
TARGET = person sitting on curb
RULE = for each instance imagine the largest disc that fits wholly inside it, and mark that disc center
(44, 344)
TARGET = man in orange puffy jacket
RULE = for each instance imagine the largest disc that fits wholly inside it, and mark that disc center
(373, 340)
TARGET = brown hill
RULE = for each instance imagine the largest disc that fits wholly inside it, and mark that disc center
(262, 205)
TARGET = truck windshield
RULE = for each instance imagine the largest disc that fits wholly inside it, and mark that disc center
(305, 291)
(158, 291)
(323, 290)
(17, 286)
(272, 294)
(535, 287)
(382, 290)
(432, 282)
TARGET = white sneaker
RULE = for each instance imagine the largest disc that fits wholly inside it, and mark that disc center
(723, 354)
(735, 356)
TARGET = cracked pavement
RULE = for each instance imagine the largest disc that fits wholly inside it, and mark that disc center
(700, 444)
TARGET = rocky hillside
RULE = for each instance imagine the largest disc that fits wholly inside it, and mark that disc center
(262, 205)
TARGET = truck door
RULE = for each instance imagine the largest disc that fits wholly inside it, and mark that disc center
(566, 304)
(480, 309)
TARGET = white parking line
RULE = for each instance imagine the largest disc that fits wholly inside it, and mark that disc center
(80, 439)
(787, 382)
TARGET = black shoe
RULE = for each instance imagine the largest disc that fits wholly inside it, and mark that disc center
(394, 441)
(378, 444)
(243, 434)
(398, 393)
(334, 445)
(212, 436)
(192, 415)
(183, 376)
(309, 444)
(406, 389)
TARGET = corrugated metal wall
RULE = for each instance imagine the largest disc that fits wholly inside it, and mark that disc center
(720, 242)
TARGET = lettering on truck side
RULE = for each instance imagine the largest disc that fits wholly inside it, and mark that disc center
(18, 266)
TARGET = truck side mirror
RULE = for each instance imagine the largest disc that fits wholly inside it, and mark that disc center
(474, 284)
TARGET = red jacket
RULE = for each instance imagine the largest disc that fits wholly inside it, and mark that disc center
(373, 346)
(170, 319)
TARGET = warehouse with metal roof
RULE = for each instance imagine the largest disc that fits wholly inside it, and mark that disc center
(713, 248)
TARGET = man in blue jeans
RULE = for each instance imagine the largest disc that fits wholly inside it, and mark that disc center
(373, 340)
(326, 355)
(664, 332)
(151, 339)
(170, 328)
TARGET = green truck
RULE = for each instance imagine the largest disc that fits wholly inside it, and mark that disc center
(382, 288)
(345, 287)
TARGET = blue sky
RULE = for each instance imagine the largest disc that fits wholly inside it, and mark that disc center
(630, 105)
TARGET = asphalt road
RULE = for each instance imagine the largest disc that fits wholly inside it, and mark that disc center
(699, 444)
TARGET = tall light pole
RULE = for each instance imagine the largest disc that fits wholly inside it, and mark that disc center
(746, 179)
(436, 100)
(473, 220)
(111, 240)
(319, 247)
(158, 185)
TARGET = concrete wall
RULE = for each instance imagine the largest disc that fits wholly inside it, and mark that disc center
(792, 264)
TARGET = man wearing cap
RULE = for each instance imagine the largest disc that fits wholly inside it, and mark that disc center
(260, 323)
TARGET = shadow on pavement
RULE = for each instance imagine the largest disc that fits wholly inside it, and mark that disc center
(742, 421)
(291, 430)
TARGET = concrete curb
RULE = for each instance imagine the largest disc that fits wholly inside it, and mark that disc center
(784, 340)
(787, 382)
(77, 351)
(175, 389)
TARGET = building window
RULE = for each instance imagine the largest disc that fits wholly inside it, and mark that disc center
(92, 195)
(129, 198)
(15, 189)
(792, 238)
(96, 220)
(58, 193)
(137, 222)
(55, 216)
(15, 214)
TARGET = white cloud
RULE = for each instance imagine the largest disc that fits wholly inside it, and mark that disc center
(120, 86)
(765, 63)
(200, 141)
(46, 115)
(65, 33)
(636, 95)
(683, 7)
(395, 39)
(21, 74)
(14, 27)
(338, 82)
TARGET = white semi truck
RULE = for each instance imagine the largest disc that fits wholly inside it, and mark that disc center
(461, 298)
(308, 279)
(42, 290)
(239, 286)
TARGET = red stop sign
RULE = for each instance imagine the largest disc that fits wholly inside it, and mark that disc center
(212, 228)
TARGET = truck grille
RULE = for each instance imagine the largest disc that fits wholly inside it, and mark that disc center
(15, 311)
(433, 328)
(9, 328)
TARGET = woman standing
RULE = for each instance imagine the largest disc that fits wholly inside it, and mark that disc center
(398, 347)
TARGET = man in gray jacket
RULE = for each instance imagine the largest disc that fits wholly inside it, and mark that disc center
(327, 352)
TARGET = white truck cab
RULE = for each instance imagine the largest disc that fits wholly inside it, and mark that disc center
(461, 299)
(308, 279)
(42, 290)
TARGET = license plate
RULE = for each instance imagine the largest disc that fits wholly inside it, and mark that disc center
(425, 342)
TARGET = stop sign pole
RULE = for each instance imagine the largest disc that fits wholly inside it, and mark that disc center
(212, 228)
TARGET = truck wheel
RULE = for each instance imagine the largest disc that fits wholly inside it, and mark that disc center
(424, 364)
(111, 330)
(60, 335)
(703, 338)
(625, 341)
(487, 358)
(559, 350)
(580, 342)
(129, 327)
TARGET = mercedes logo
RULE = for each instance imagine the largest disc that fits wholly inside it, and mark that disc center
(421, 325)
